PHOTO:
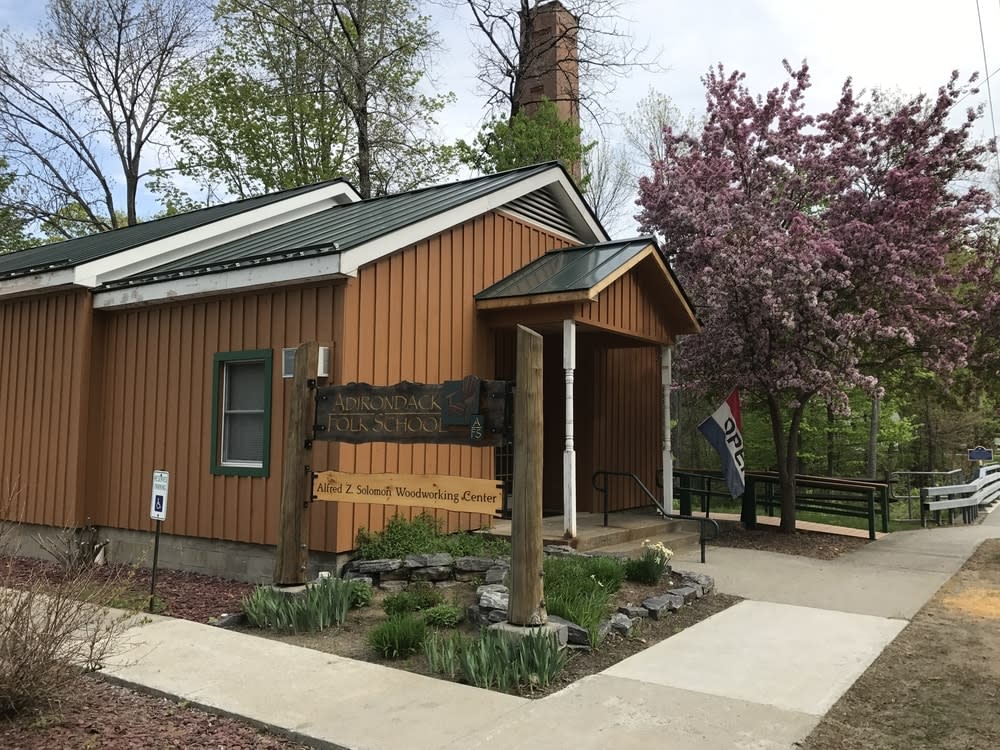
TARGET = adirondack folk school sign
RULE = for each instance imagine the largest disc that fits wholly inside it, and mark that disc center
(464, 412)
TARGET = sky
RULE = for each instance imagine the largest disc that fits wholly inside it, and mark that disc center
(910, 45)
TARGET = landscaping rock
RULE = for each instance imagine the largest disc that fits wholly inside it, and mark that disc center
(496, 615)
(445, 584)
(480, 590)
(393, 587)
(706, 582)
(687, 592)
(575, 635)
(379, 566)
(494, 600)
(433, 560)
(633, 612)
(431, 573)
(496, 574)
(237, 620)
(473, 564)
(660, 606)
(621, 623)
(352, 576)
(559, 550)
(603, 628)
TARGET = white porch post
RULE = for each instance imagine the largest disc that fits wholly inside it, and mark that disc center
(666, 378)
(569, 454)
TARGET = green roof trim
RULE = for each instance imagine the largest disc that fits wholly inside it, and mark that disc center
(70, 253)
(333, 230)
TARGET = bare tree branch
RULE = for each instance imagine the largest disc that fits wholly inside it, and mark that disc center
(507, 58)
(87, 90)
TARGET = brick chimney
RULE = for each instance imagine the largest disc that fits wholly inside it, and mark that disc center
(549, 51)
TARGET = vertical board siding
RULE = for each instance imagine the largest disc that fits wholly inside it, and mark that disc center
(628, 415)
(629, 306)
(411, 316)
(155, 411)
(44, 364)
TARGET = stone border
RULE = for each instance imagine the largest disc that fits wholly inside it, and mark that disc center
(442, 570)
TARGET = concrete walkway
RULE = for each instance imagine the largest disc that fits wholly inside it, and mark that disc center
(758, 675)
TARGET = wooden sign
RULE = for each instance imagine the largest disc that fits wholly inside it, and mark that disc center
(465, 412)
(413, 490)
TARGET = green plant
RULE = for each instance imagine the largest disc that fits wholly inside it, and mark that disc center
(579, 589)
(398, 637)
(421, 535)
(361, 594)
(443, 651)
(650, 567)
(445, 615)
(413, 599)
(321, 606)
(497, 661)
(488, 662)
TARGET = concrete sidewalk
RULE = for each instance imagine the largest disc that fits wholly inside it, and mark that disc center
(760, 674)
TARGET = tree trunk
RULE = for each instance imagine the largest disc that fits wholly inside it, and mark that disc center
(830, 447)
(873, 424)
(786, 449)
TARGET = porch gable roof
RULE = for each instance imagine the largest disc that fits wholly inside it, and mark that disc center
(581, 274)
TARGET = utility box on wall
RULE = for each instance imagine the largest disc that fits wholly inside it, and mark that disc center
(288, 362)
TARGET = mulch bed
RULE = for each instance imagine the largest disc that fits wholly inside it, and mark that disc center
(187, 596)
(97, 714)
(814, 544)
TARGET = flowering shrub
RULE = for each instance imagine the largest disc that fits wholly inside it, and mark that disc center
(651, 566)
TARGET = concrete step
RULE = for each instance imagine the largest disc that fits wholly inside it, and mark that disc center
(675, 541)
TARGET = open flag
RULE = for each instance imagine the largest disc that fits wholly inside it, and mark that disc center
(724, 430)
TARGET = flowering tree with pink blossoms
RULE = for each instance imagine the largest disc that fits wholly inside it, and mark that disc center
(820, 249)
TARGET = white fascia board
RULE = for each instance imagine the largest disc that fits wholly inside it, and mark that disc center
(156, 253)
(36, 282)
(356, 257)
(238, 280)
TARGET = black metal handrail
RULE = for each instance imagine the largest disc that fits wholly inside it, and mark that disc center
(830, 495)
(703, 523)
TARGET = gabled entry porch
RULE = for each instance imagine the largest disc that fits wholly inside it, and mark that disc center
(609, 314)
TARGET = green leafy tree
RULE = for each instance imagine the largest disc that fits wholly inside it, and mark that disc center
(304, 90)
(12, 222)
(524, 140)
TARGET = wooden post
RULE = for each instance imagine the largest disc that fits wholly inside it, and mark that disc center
(292, 555)
(527, 597)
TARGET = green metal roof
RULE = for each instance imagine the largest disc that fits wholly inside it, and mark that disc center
(70, 253)
(334, 230)
(575, 269)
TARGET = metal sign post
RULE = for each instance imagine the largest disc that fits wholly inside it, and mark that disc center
(158, 512)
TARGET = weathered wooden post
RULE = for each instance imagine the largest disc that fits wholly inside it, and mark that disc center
(292, 556)
(527, 597)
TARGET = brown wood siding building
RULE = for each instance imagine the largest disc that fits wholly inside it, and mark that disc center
(408, 316)
(44, 376)
(411, 316)
(105, 383)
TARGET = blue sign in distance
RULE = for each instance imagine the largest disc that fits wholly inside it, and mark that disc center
(979, 453)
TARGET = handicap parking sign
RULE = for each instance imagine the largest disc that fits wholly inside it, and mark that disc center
(158, 504)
